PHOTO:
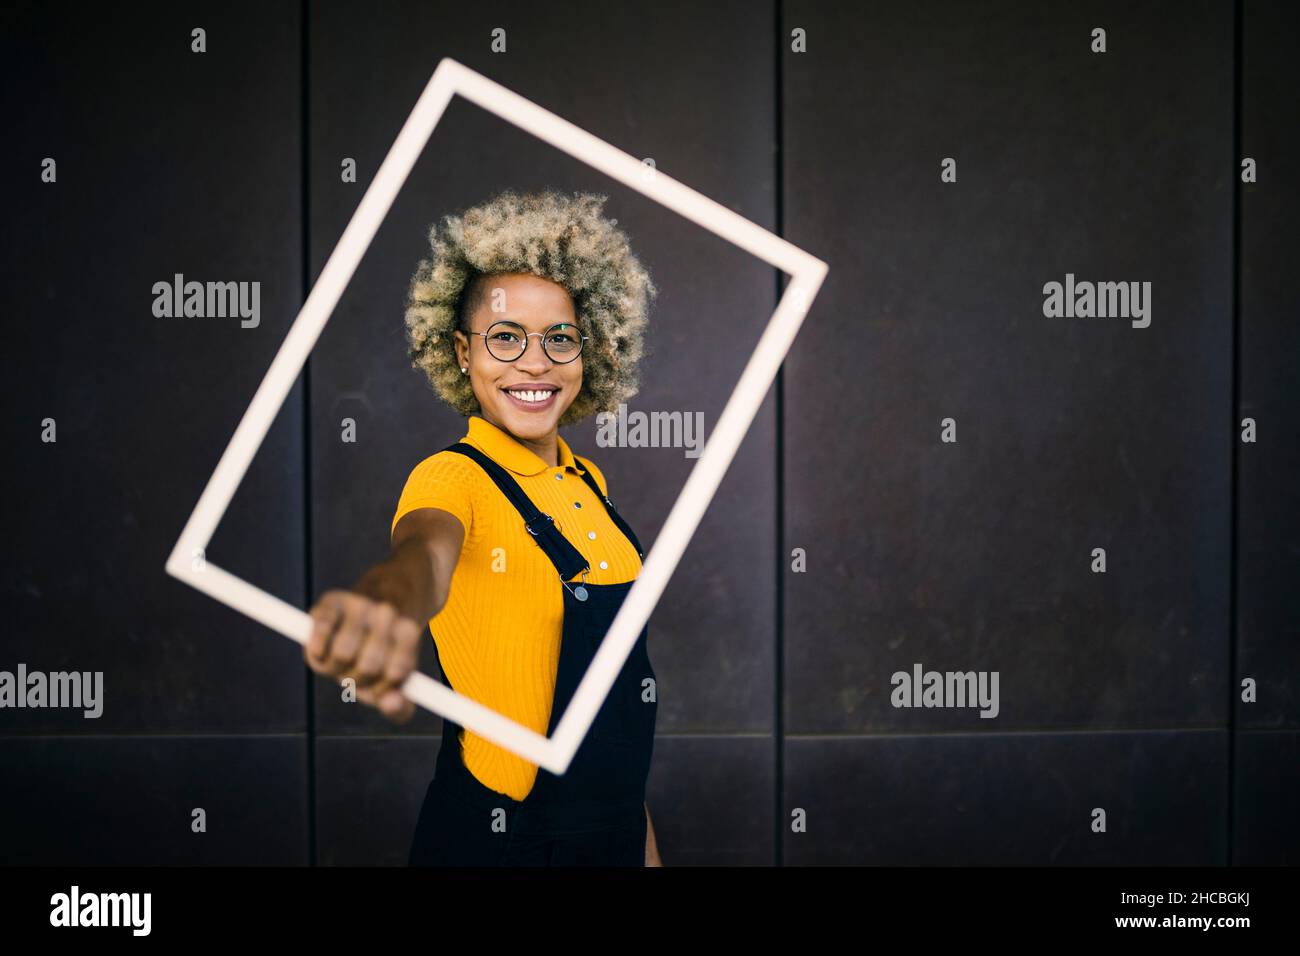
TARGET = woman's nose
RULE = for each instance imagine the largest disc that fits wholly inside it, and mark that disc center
(534, 355)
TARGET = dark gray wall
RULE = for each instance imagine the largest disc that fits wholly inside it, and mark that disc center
(1117, 690)
(168, 162)
(1072, 434)
(1266, 770)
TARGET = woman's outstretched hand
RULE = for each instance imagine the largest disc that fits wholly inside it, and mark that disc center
(362, 635)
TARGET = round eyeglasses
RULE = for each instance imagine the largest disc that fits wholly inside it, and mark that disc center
(506, 341)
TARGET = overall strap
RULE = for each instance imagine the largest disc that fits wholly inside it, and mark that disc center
(609, 506)
(566, 558)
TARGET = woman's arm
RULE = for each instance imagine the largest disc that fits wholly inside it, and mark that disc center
(371, 633)
(651, 848)
(426, 547)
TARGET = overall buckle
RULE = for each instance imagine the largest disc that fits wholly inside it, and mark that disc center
(528, 524)
(578, 592)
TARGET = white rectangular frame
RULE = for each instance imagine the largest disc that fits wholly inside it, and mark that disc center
(188, 563)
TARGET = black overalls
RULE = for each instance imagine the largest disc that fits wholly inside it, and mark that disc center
(594, 813)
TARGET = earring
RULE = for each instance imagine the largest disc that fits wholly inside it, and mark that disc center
(464, 368)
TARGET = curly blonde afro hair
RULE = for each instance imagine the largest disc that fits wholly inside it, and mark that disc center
(559, 237)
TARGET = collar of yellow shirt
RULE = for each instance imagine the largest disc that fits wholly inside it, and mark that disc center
(503, 448)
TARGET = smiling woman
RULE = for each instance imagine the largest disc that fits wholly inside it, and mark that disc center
(563, 239)
(528, 315)
(521, 386)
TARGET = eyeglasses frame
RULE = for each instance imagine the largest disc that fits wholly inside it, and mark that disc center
(582, 341)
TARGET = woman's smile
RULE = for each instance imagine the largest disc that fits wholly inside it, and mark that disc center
(533, 397)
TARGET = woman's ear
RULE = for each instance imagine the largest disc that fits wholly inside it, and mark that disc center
(462, 348)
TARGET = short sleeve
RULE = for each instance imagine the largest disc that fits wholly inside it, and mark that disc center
(444, 481)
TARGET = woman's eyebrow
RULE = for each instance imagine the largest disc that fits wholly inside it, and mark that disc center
(542, 326)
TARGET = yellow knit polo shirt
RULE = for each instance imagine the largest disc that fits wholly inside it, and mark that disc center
(498, 635)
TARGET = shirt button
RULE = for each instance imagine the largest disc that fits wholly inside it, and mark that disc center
(577, 504)
(604, 565)
(591, 535)
(559, 476)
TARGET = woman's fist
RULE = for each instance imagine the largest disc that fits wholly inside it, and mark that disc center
(370, 641)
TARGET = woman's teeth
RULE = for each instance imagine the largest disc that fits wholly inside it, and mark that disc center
(531, 396)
